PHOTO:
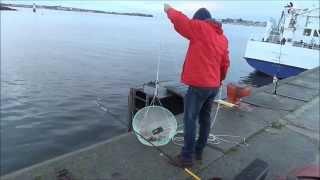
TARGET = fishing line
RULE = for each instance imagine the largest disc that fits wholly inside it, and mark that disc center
(106, 110)
(152, 104)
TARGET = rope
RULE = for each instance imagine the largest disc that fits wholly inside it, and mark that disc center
(107, 111)
(275, 78)
(213, 139)
(152, 104)
(156, 93)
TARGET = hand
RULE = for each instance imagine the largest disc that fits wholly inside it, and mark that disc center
(166, 7)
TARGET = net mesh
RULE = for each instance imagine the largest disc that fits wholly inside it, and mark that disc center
(156, 124)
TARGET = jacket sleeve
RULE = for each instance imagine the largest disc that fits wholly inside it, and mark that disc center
(224, 66)
(181, 22)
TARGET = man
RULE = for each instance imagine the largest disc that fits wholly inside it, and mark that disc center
(205, 67)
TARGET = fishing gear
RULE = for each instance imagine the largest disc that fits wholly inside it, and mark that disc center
(140, 119)
(157, 130)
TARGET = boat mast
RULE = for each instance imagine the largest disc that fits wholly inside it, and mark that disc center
(281, 29)
(34, 7)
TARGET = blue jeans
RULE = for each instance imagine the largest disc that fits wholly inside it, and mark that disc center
(197, 104)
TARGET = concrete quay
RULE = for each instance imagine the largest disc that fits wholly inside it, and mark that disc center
(282, 130)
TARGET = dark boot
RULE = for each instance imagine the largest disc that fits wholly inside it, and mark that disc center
(178, 161)
(198, 154)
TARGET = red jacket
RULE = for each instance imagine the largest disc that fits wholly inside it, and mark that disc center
(207, 59)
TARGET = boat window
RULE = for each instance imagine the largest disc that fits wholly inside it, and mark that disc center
(307, 32)
(315, 33)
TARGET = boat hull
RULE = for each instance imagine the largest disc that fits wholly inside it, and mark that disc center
(280, 60)
(274, 69)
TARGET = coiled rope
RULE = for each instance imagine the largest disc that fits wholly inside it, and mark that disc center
(213, 139)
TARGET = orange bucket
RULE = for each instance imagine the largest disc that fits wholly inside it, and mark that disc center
(236, 92)
(232, 93)
(244, 91)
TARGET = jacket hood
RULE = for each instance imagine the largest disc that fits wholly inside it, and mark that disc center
(216, 25)
(202, 14)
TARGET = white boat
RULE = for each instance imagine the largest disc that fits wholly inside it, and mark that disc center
(288, 47)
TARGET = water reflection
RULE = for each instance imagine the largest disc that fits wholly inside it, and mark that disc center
(256, 79)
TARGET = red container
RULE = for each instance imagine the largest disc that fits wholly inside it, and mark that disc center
(236, 92)
(243, 91)
(231, 93)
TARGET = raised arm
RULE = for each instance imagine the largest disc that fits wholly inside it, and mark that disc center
(182, 24)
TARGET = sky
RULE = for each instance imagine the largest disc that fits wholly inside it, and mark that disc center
(250, 9)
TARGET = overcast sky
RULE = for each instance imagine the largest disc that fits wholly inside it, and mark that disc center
(253, 9)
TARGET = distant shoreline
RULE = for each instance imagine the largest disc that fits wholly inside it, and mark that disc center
(243, 22)
(62, 8)
(5, 8)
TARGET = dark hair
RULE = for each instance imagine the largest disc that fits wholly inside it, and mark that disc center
(202, 14)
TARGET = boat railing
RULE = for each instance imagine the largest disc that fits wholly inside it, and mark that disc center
(306, 45)
(271, 39)
(294, 43)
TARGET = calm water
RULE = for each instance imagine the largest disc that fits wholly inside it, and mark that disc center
(55, 65)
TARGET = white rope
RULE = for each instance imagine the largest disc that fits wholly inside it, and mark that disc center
(155, 95)
(213, 139)
(275, 78)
